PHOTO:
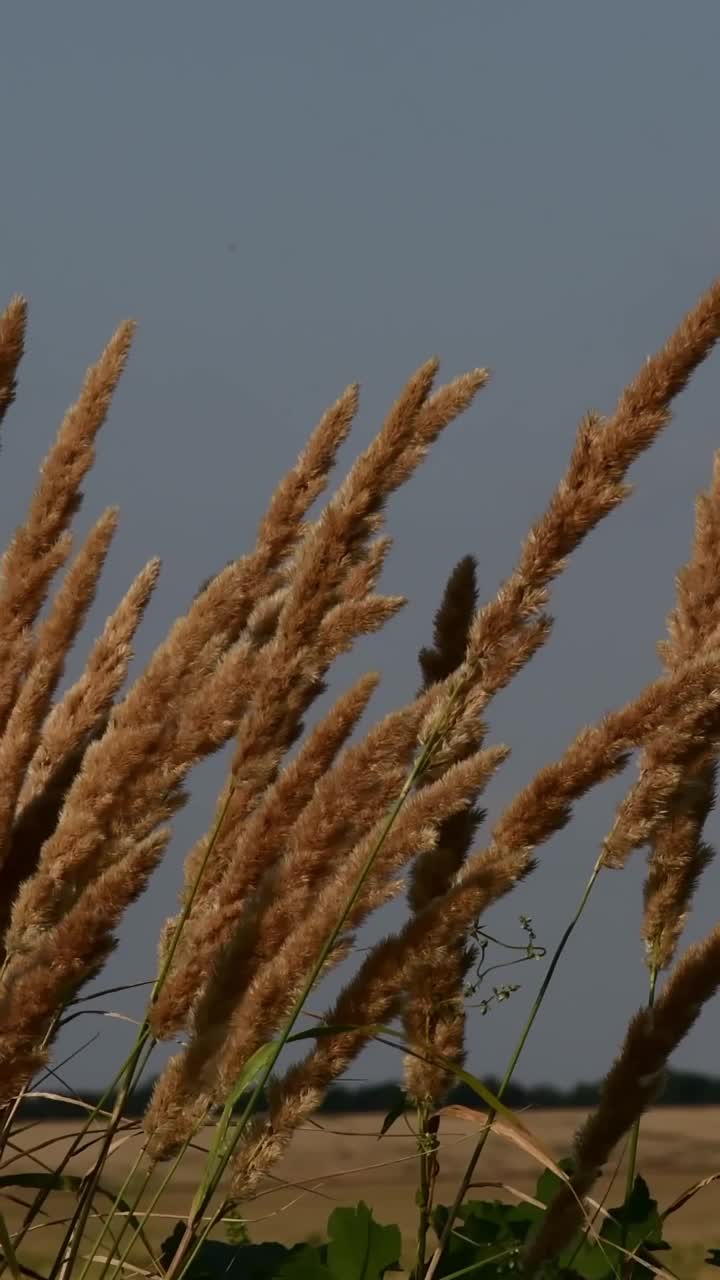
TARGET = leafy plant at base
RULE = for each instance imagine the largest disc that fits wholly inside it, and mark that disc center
(491, 1236)
(358, 1248)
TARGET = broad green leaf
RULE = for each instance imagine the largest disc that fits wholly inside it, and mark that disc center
(488, 1234)
(636, 1222)
(481, 1223)
(513, 1220)
(627, 1227)
(584, 1258)
(359, 1248)
(215, 1259)
(305, 1264)
(549, 1184)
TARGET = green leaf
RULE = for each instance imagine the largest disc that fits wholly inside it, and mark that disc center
(492, 1220)
(359, 1248)
(215, 1259)
(393, 1114)
(636, 1222)
(583, 1258)
(305, 1264)
(218, 1260)
(549, 1184)
(488, 1234)
(169, 1245)
(631, 1226)
(252, 1069)
(46, 1181)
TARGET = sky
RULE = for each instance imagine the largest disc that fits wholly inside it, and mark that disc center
(288, 197)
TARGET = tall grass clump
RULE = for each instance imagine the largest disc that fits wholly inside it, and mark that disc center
(315, 829)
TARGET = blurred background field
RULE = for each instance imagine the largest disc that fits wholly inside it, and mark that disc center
(341, 1159)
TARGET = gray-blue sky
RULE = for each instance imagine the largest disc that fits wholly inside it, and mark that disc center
(289, 196)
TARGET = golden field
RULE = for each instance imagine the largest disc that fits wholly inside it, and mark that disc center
(341, 1160)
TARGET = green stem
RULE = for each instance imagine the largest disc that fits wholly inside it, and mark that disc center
(39, 1201)
(122, 1197)
(144, 1037)
(423, 1191)
(537, 1003)
(10, 1114)
(635, 1133)
(66, 1256)
(165, 1181)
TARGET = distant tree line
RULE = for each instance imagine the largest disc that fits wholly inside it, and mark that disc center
(682, 1088)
